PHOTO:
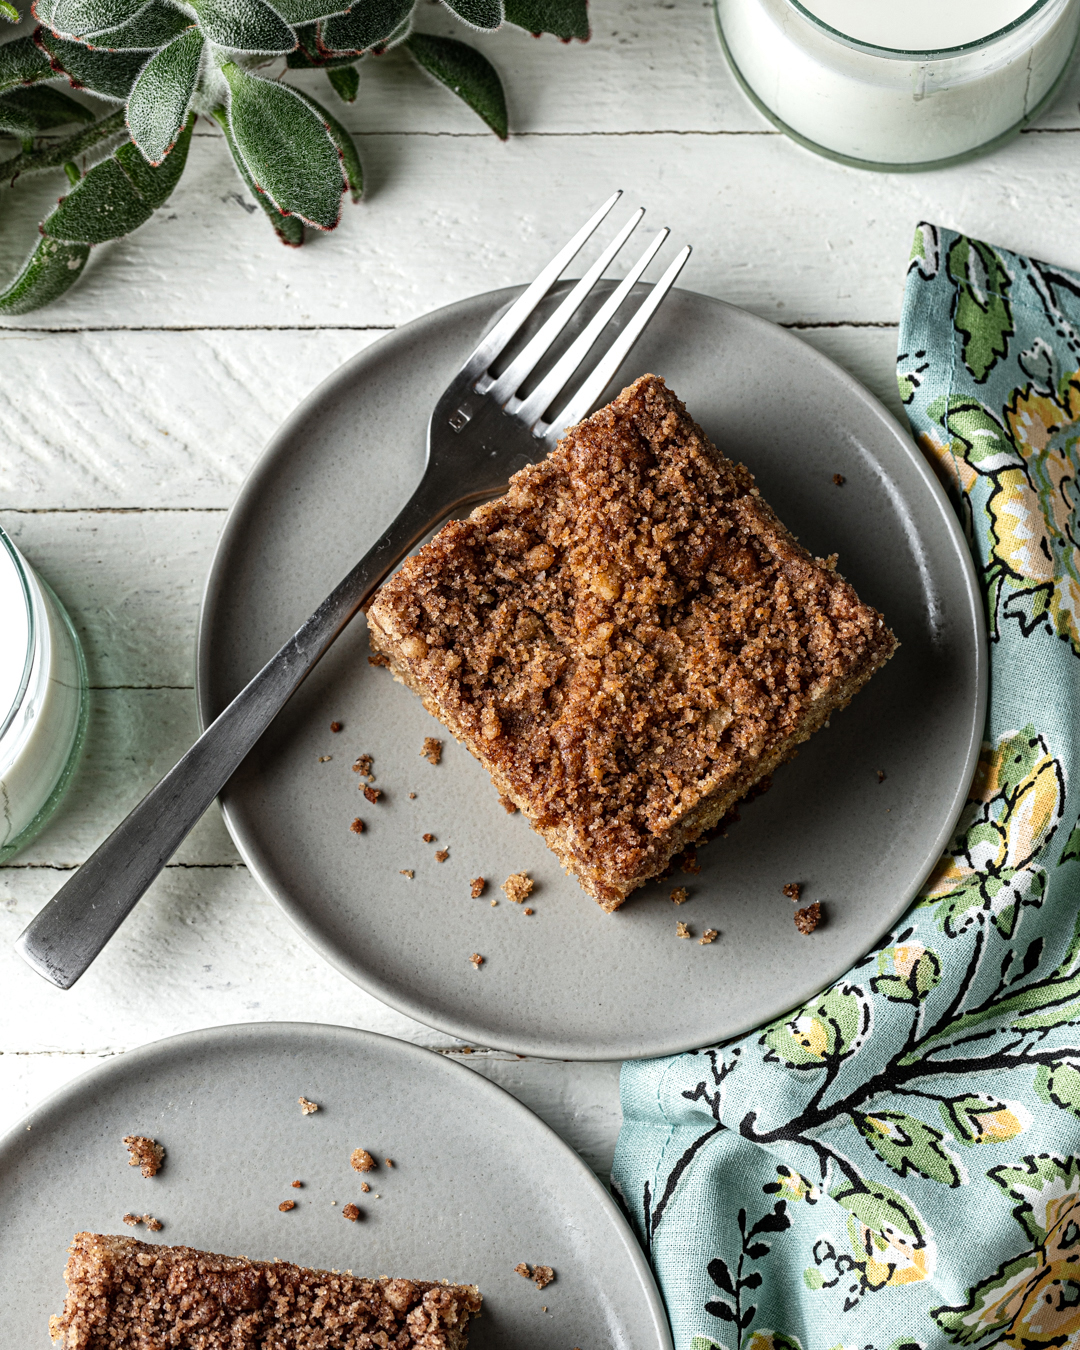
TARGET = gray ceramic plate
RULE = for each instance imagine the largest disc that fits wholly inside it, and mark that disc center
(571, 981)
(478, 1183)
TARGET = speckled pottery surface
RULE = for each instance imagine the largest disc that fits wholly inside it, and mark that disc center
(569, 980)
(478, 1182)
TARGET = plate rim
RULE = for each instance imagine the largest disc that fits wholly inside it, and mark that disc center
(217, 582)
(229, 1035)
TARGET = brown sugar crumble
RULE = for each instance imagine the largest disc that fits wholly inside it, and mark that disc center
(518, 887)
(441, 854)
(542, 1276)
(144, 1153)
(523, 1270)
(793, 889)
(527, 910)
(432, 750)
(372, 793)
(428, 838)
(477, 960)
(709, 936)
(681, 930)
(365, 1187)
(688, 863)
(357, 826)
(839, 479)
(133, 1220)
(286, 1205)
(297, 1184)
(508, 806)
(806, 920)
(628, 639)
(308, 1108)
(680, 895)
(361, 1160)
(336, 726)
(363, 766)
(350, 1212)
(476, 887)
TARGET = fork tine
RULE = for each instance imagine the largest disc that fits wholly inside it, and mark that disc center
(492, 343)
(533, 407)
(510, 380)
(605, 369)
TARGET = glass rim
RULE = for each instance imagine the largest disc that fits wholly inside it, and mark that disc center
(7, 716)
(906, 53)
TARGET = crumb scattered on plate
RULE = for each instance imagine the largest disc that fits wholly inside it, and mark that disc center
(682, 930)
(680, 895)
(363, 766)
(432, 750)
(362, 1161)
(793, 889)
(308, 1108)
(839, 479)
(336, 726)
(542, 1276)
(428, 838)
(372, 793)
(389, 1162)
(477, 960)
(286, 1205)
(325, 759)
(518, 887)
(357, 826)
(881, 775)
(412, 796)
(529, 910)
(507, 805)
(709, 935)
(133, 1220)
(408, 873)
(806, 920)
(144, 1153)
(365, 1187)
(476, 887)
(297, 1184)
(688, 863)
(441, 854)
(350, 1212)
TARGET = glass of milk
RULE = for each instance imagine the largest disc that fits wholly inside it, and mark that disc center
(899, 84)
(42, 700)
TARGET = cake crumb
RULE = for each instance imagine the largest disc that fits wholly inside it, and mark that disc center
(476, 887)
(372, 793)
(709, 935)
(325, 759)
(389, 1162)
(412, 796)
(428, 838)
(144, 1153)
(793, 889)
(518, 887)
(378, 660)
(308, 1108)
(806, 920)
(351, 1212)
(442, 854)
(494, 903)
(363, 766)
(688, 863)
(839, 479)
(680, 895)
(336, 726)
(286, 1205)
(881, 775)
(523, 1270)
(297, 1185)
(155, 1225)
(432, 750)
(408, 873)
(527, 910)
(682, 930)
(362, 1161)
(132, 1220)
(477, 960)
(542, 1276)
(357, 826)
(507, 805)
(365, 1187)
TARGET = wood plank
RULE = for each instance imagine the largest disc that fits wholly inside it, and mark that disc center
(835, 248)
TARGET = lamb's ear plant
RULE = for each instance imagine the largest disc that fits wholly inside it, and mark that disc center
(165, 62)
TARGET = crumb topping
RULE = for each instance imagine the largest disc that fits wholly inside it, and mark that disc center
(507, 805)
(428, 838)
(286, 1205)
(362, 1161)
(144, 1153)
(680, 895)
(365, 1187)
(441, 854)
(372, 793)
(297, 1184)
(806, 920)
(432, 750)
(308, 1108)
(363, 766)
(793, 889)
(542, 1276)
(476, 887)
(681, 930)
(477, 960)
(518, 887)
(357, 826)
(709, 936)
(350, 1212)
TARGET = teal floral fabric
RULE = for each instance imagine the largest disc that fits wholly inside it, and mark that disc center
(897, 1163)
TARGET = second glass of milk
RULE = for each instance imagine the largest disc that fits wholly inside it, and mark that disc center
(889, 85)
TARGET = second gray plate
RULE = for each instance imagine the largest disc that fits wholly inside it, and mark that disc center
(570, 981)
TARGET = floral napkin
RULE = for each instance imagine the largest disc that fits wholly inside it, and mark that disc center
(897, 1163)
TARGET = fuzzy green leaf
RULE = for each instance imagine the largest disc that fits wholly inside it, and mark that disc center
(346, 147)
(468, 74)
(307, 11)
(109, 73)
(151, 28)
(22, 62)
(37, 108)
(371, 23)
(81, 18)
(154, 183)
(286, 148)
(310, 56)
(566, 19)
(345, 81)
(478, 13)
(159, 101)
(289, 229)
(103, 205)
(49, 271)
(9, 12)
(244, 25)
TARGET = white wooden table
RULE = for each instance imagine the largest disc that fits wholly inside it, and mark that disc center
(132, 410)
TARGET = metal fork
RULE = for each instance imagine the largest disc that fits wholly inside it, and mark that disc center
(480, 432)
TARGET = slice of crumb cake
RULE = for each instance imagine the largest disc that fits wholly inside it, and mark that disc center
(628, 640)
(125, 1293)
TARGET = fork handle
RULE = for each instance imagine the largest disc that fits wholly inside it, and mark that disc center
(66, 935)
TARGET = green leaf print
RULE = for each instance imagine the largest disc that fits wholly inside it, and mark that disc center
(906, 1144)
(1071, 850)
(977, 435)
(1059, 1084)
(826, 1030)
(908, 973)
(982, 314)
(979, 1119)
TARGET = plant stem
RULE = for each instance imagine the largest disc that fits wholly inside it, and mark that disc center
(55, 156)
